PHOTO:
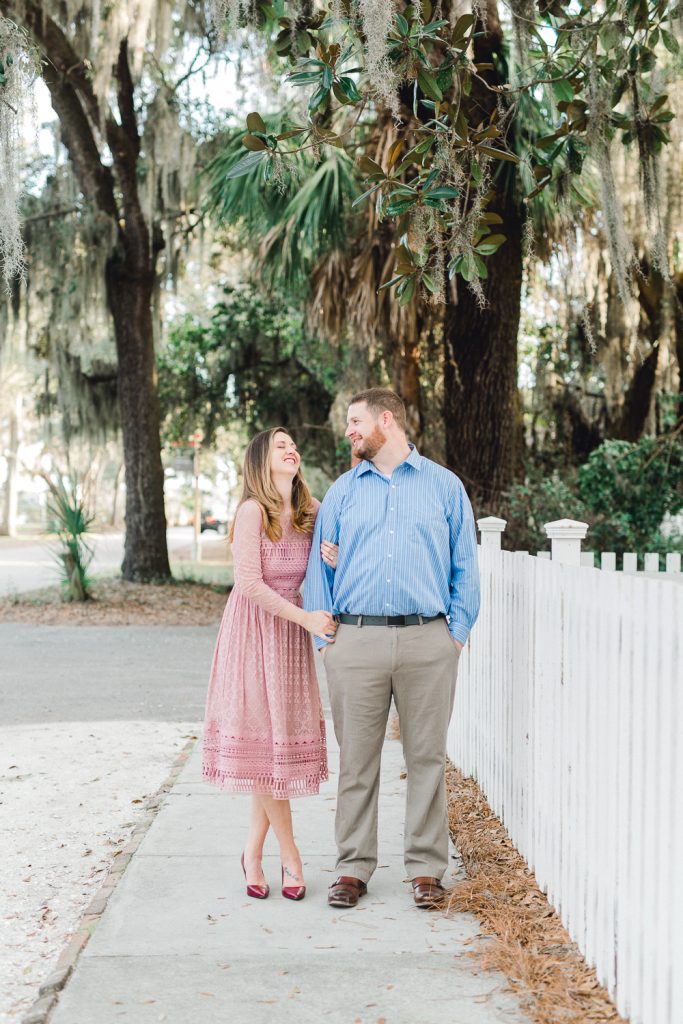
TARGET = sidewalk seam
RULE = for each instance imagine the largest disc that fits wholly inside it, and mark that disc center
(48, 993)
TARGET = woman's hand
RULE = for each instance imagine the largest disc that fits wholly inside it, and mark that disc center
(320, 624)
(329, 553)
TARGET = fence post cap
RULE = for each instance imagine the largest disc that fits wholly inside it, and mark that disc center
(566, 529)
(490, 524)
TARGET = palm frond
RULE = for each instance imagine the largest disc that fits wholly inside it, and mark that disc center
(294, 224)
(314, 221)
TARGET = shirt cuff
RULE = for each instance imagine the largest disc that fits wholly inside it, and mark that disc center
(458, 632)
(320, 644)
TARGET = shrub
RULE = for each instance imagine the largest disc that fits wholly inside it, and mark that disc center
(628, 488)
(71, 522)
(623, 491)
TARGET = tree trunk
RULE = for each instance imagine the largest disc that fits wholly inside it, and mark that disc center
(8, 523)
(406, 383)
(104, 147)
(481, 403)
(129, 295)
(482, 414)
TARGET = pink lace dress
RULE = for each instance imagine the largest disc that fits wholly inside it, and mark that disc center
(264, 730)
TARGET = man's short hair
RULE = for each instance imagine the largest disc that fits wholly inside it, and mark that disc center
(379, 400)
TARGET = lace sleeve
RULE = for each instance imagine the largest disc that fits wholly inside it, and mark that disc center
(246, 553)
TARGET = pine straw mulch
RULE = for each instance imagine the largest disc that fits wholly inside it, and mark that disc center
(115, 602)
(528, 944)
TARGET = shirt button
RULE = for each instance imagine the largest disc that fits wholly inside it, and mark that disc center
(391, 531)
(391, 509)
(388, 581)
(389, 555)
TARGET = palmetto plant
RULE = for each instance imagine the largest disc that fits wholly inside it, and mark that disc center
(293, 226)
(72, 521)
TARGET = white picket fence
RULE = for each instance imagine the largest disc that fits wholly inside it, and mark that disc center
(569, 714)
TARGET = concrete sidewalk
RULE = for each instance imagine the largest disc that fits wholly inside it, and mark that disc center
(180, 938)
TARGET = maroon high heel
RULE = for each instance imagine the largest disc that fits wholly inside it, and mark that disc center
(292, 892)
(258, 892)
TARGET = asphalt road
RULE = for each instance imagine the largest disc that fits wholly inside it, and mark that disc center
(106, 673)
(98, 673)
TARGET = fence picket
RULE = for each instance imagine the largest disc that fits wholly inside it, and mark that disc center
(569, 712)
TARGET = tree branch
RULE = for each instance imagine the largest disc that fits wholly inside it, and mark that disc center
(124, 142)
(72, 99)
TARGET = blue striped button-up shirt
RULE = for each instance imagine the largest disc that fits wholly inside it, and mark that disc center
(407, 545)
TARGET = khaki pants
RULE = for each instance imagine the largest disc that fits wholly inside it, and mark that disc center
(365, 666)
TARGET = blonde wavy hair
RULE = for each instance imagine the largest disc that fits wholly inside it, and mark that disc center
(258, 486)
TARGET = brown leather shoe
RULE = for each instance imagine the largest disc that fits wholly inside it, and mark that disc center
(346, 891)
(427, 891)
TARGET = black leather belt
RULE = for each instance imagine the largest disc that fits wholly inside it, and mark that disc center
(386, 620)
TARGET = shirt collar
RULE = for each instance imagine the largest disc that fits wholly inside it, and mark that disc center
(414, 460)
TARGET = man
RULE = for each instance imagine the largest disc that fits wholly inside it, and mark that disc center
(405, 593)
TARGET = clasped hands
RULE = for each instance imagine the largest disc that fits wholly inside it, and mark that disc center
(321, 623)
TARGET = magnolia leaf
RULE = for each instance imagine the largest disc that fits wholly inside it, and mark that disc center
(394, 152)
(291, 134)
(491, 244)
(399, 206)
(340, 94)
(429, 85)
(403, 26)
(405, 257)
(368, 166)
(480, 267)
(251, 142)
(318, 97)
(491, 218)
(407, 292)
(369, 192)
(467, 269)
(460, 30)
(349, 88)
(255, 123)
(670, 41)
(443, 192)
(498, 154)
(388, 284)
(658, 103)
(429, 282)
(563, 90)
(303, 77)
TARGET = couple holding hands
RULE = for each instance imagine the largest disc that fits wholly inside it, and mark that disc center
(391, 591)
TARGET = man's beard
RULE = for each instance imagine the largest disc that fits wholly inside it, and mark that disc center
(369, 446)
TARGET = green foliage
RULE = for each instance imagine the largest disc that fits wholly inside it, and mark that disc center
(291, 226)
(622, 491)
(629, 488)
(71, 522)
(539, 500)
(252, 364)
(593, 70)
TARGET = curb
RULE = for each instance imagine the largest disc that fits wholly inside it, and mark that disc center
(48, 992)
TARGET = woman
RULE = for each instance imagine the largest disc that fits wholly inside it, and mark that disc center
(264, 730)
